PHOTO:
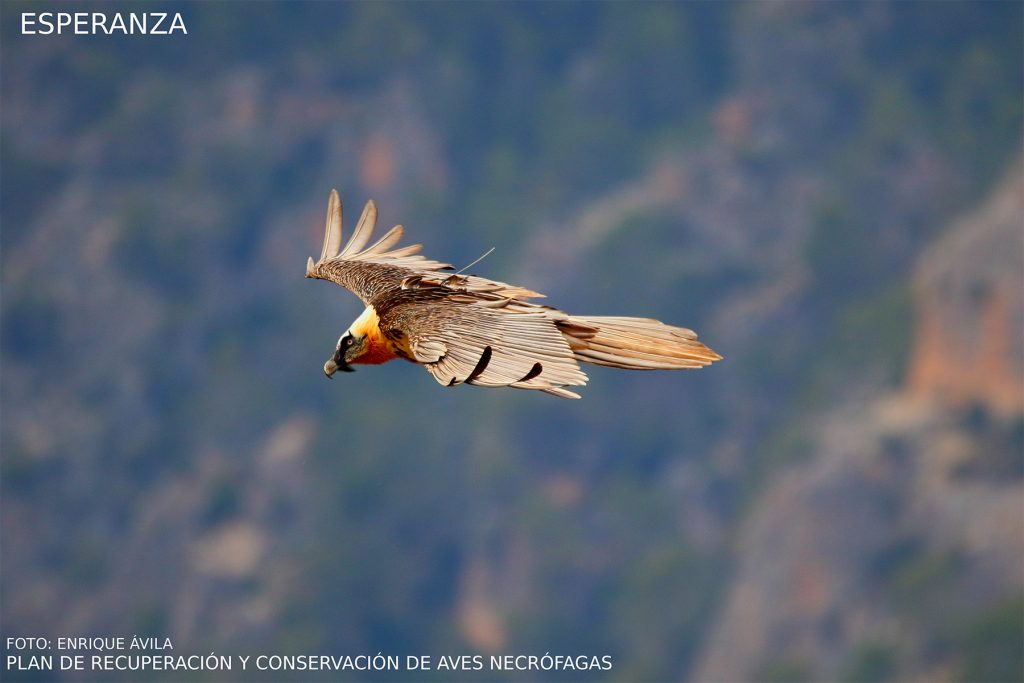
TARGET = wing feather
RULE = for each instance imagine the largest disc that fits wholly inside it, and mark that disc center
(393, 237)
(364, 229)
(371, 271)
(332, 233)
(518, 345)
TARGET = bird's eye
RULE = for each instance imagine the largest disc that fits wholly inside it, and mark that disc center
(347, 341)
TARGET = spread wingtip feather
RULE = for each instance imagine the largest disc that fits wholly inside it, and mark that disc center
(332, 232)
(364, 229)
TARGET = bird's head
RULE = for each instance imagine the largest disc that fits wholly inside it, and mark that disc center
(349, 348)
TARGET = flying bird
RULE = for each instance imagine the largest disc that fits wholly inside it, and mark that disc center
(466, 329)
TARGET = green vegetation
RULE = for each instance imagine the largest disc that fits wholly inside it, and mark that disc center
(784, 671)
(992, 645)
(870, 663)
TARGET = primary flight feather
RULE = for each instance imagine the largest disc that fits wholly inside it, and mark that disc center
(470, 330)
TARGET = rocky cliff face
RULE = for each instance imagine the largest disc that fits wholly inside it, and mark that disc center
(904, 526)
(970, 309)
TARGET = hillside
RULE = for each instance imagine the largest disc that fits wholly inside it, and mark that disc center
(885, 554)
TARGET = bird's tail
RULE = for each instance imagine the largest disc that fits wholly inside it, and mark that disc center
(634, 343)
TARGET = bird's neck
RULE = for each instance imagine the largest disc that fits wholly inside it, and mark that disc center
(379, 349)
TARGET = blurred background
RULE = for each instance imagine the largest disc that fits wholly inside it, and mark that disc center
(831, 194)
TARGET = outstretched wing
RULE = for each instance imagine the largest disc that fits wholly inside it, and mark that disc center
(371, 271)
(482, 339)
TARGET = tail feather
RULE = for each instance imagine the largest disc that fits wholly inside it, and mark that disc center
(635, 343)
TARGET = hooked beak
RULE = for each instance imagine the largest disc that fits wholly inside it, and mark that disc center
(332, 366)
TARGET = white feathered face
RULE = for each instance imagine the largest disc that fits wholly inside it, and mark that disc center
(349, 348)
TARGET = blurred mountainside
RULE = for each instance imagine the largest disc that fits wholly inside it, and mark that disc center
(910, 512)
(829, 193)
